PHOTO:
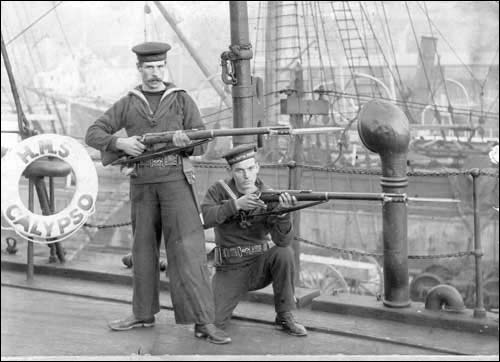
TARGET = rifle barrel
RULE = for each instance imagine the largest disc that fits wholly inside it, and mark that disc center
(314, 130)
(161, 137)
(269, 196)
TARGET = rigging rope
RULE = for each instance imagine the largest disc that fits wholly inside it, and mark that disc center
(492, 63)
(451, 48)
(330, 64)
(297, 31)
(424, 68)
(349, 50)
(256, 36)
(344, 45)
(308, 43)
(450, 107)
(391, 43)
(36, 67)
(11, 104)
(416, 105)
(230, 116)
(68, 44)
(484, 83)
(13, 51)
(403, 89)
(378, 44)
(315, 24)
(350, 62)
(493, 103)
(33, 23)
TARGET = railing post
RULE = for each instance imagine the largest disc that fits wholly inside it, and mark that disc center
(384, 128)
(294, 176)
(294, 172)
(30, 269)
(479, 311)
(47, 204)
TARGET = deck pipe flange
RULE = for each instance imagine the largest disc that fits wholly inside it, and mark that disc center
(384, 129)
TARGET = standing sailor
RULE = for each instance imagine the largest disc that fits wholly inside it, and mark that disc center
(162, 198)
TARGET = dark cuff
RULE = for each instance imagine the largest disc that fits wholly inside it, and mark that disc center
(284, 228)
(229, 209)
(112, 144)
(282, 222)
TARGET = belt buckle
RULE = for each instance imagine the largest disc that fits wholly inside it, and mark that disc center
(248, 250)
(170, 160)
(238, 252)
(156, 162)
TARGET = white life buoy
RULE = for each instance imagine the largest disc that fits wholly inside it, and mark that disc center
(56, 227)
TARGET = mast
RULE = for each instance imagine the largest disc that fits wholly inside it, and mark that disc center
(240, 54)
(21, 118)
(270, 64)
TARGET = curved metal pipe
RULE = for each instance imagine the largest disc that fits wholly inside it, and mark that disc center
(445, 297)
(460, 86)
(422, 115)
(391, 95)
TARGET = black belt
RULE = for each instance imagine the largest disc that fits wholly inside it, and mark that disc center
(164, 161)
(240, 251)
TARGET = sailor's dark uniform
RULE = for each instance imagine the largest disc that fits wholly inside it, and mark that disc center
(245, 255)
(162, 201)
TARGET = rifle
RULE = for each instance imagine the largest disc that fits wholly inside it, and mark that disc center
(245, 219)
(150, 139)
(309, 195)
(317, 198)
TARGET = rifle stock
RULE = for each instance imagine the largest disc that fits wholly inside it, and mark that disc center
(165, 137)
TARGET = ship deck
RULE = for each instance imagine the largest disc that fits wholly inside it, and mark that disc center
(63, 312)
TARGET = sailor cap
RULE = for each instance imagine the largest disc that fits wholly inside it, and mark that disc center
(240, 153)
(151, 51)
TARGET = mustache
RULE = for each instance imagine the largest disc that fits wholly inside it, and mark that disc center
(155, 78)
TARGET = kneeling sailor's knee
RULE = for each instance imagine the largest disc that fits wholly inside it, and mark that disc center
(285, 254)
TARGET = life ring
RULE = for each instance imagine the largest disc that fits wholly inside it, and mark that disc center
(59, 226)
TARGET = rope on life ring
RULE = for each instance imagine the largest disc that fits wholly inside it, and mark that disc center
(59, 226)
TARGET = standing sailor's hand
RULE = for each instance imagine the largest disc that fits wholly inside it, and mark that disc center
(131, 146)
(181, 139)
